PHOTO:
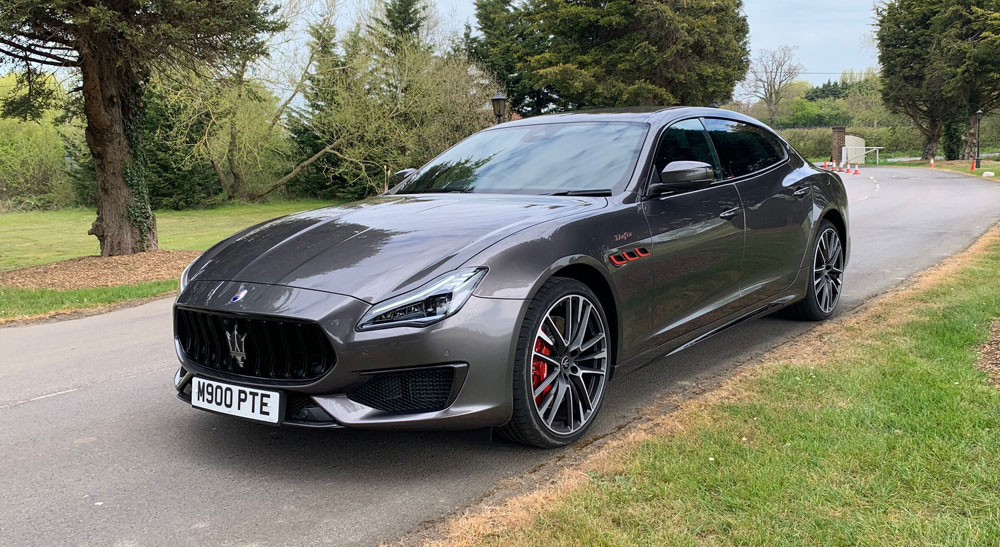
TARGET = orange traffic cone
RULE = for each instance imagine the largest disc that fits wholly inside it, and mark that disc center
(825, 164)
(972, 168)
(857, 169)
(932, 163)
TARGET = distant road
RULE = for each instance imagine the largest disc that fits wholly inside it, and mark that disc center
(97, 450)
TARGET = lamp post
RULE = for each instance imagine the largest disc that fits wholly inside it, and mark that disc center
(499, 106)
(979, 138)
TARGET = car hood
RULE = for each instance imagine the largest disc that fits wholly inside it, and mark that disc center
(379, 247)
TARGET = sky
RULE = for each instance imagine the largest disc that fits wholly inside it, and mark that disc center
(831, 35)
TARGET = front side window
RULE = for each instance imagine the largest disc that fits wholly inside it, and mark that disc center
(685, 141)
(743, 148)
(551, 158)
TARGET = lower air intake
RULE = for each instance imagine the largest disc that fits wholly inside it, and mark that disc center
(409, 391)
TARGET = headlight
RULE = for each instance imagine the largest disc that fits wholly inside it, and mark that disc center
(431, 303)
(184, 278)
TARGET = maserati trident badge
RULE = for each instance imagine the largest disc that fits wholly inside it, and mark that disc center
(239, 295)
(237, 346)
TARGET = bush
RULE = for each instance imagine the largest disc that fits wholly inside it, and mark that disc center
(818, 143)
(896, 141)
(811, 143)
(32, 166)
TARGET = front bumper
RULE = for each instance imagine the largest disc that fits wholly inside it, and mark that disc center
(477, 343)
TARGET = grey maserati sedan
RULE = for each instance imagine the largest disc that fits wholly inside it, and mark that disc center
(503, 283)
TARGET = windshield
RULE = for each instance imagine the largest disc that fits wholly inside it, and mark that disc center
(553, 158)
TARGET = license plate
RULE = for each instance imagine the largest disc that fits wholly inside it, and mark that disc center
(245, 402)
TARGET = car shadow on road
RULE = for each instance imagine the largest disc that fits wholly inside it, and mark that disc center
(361, 456)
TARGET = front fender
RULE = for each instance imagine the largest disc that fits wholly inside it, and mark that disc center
(521, 264)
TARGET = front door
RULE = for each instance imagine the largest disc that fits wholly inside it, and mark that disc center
(697, 241)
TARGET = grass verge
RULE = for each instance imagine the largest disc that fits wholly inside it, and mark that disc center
(41, 237)
(958, 167)
(21, 304)
(878, 429)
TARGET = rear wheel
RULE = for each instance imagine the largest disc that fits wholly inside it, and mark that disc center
(826, 281)
(561, 366)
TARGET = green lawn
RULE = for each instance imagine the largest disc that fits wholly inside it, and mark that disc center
(25, 303)
(40, 237)
(893, 441)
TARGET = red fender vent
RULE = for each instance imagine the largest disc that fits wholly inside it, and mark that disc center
(630, 255)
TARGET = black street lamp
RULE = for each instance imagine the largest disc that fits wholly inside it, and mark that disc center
(499, 106)
(979, 138)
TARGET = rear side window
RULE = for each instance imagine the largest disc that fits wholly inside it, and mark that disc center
(743, 148)
(685, 141)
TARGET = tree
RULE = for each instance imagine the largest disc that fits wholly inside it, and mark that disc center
(561, 54)
(114, 47)
(771, 75)
(507, 39)
(940, 63)
(400, 23)
(376, 104)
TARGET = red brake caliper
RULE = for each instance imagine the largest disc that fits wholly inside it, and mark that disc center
(540, 369)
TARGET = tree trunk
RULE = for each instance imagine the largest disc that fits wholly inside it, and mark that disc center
(930, 149)
(112, 104)
(971, 139)
(234, 167)
(932, 137)
(220, 175)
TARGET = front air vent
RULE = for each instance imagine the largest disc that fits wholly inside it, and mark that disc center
(426, 390)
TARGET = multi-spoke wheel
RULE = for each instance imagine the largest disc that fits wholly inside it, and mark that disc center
(562, 367)
(827, 276)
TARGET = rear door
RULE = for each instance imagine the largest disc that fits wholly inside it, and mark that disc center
(697, 240)
(777, 202)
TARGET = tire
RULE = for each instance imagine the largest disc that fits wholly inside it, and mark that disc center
(826, 276)
(558, 386)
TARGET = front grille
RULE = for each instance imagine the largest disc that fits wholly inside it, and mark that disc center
(274, 349)
(409, 391)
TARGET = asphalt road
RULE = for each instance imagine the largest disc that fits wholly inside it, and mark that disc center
(96, 449)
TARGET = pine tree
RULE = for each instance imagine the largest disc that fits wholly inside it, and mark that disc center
(400, 23)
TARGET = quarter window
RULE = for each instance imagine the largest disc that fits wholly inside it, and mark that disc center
(743, 148)
(685, 141)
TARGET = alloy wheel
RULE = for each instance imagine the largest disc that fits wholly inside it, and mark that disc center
(569, 361)
(828, 270)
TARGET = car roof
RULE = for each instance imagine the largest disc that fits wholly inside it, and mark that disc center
(654, 116)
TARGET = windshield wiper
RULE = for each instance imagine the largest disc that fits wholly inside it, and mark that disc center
(594, 193)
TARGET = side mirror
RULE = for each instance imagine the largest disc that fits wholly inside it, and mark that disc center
(682, 176)
(400, 176)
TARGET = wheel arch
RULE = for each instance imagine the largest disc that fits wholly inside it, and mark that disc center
(598, 282)
(836, 218)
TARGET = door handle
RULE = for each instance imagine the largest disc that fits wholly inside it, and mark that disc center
(729, 214)
(799, 192)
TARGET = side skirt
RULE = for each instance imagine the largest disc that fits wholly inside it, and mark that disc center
(781, 300)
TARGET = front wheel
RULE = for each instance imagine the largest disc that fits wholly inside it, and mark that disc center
(826, 281)
(561, 366)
